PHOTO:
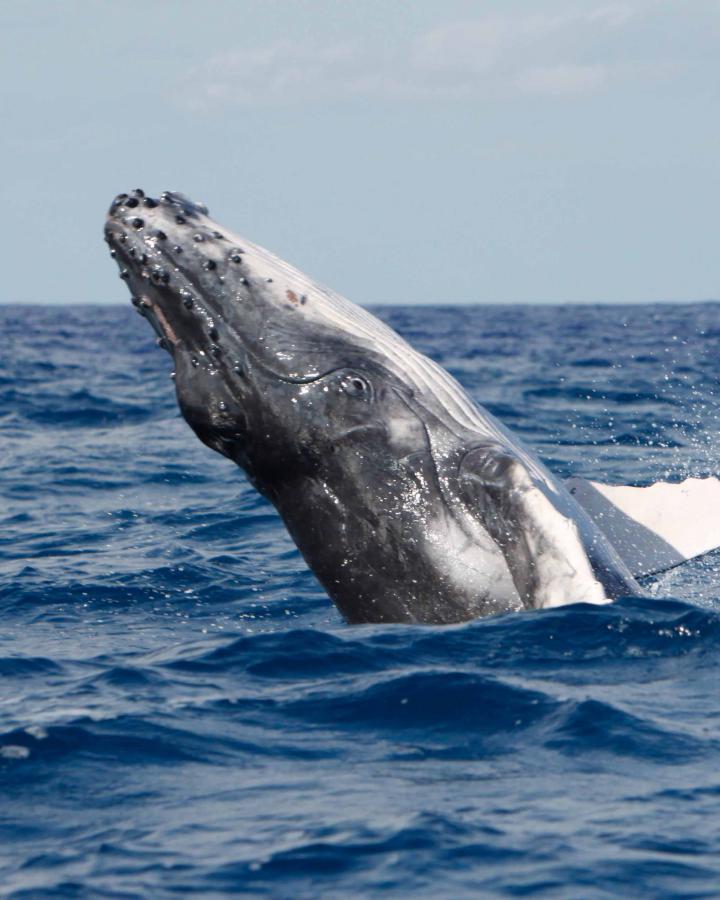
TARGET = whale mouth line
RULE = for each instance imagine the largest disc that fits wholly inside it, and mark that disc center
(168, 332)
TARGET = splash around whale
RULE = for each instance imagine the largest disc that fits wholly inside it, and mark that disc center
(408, 501)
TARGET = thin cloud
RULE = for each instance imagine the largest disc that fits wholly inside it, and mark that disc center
(566, 54)
(563, 80)
(275, 74)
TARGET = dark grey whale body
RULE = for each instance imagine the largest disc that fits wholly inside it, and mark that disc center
(409, 502)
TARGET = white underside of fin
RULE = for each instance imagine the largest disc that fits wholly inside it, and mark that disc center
(654, 528)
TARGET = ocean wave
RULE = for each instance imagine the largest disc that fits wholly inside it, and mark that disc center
(183, 711)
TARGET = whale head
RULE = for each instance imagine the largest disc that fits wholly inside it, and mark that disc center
(271, 369)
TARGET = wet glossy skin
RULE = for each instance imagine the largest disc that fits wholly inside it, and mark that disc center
(407, 502)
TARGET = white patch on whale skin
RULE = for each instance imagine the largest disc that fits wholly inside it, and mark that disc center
(478, 569)
(462, 552)
(400, 429)
(564, 574)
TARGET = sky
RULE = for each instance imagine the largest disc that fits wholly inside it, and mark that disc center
(435, 151)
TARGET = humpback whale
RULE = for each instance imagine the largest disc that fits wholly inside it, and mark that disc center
(409, 502)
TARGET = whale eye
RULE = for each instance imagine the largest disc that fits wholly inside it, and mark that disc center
(356, 386)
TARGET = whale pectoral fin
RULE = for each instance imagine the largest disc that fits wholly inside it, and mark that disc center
(542, 548)
(654, 528)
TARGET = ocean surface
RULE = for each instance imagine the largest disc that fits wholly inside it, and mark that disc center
(184, 713)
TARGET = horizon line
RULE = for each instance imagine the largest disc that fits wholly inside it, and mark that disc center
(467, 303)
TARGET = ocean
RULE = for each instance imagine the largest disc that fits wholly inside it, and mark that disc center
(184, 713)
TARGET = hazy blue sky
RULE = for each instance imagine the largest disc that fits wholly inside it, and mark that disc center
(433, 151)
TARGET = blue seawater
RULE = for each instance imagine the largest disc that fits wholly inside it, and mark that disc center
(184, 713)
